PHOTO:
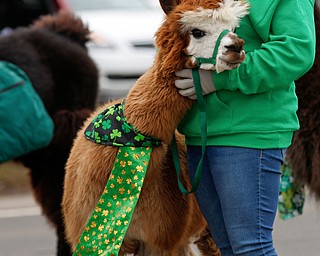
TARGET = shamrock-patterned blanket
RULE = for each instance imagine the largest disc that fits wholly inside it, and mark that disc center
(107, 226)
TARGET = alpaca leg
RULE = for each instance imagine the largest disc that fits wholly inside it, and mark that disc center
(129, 247)
(186, 251)
(206, 245)
(63, 247)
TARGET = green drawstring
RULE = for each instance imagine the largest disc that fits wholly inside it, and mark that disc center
(203, 121)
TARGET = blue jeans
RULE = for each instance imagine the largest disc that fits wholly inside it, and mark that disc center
(238, 196)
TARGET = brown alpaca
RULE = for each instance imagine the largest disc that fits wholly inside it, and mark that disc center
(165, 222)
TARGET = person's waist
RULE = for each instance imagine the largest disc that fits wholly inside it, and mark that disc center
(278, 139)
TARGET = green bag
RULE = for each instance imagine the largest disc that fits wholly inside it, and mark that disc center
(25, 125)
(292, 195)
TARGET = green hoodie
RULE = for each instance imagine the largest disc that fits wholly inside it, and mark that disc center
(255, 105)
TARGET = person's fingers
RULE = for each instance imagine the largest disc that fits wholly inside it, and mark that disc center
(184, 83)
(193, 97)
(188, 92)
(184, 73)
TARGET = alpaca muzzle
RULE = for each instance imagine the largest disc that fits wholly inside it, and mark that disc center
(234, 52)
(230, 53)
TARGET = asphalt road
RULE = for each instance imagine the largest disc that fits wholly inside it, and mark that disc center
(299, 236)
(24, 232)
(26, 236)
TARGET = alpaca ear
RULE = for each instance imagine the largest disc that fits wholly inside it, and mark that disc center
(168, 5)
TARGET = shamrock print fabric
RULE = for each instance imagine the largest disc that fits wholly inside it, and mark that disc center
(107, 226)
(111, 128)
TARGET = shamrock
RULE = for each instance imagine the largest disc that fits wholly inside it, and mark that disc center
(126, 128)
(110, 111)
(106, 124)
(105, 137)
(115, 133)
(97, 123)
(97, 137)
(139, 137)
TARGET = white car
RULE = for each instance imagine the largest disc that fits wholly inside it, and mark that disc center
(123, 40)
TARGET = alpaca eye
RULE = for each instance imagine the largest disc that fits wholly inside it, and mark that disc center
(197, 33)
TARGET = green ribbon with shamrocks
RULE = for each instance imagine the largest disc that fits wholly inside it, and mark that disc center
(109, 222)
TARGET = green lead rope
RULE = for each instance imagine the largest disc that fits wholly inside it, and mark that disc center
(203, 121)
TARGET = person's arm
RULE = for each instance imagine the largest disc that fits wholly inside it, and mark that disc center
(288, 55)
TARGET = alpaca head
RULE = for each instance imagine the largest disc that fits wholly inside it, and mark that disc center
(192, 28)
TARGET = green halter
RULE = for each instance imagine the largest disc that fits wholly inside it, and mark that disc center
(212, 60)
(203, 120)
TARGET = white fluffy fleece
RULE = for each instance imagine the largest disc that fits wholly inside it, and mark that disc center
(212, 22)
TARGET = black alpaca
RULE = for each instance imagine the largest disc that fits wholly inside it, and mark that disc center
(52, 53)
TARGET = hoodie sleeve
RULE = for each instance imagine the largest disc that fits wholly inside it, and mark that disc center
(287, 52)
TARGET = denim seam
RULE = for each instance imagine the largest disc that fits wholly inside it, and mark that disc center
(259, 201)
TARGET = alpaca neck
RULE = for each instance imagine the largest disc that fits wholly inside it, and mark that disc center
(154, 105)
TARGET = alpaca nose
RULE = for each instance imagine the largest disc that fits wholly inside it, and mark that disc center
(237, 45)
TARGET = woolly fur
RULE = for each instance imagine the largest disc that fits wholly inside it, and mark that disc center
(165, 220)
(52, 53)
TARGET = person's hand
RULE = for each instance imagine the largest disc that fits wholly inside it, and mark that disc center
(186, 84)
